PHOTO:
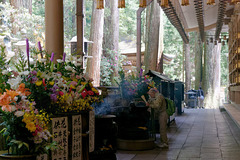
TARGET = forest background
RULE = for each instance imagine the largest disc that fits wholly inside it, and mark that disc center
(25, 19)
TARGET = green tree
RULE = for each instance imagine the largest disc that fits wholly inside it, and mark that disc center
(172, 45)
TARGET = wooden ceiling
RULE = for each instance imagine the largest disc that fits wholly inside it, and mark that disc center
(198, 16)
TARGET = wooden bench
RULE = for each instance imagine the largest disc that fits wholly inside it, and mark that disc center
(234, 112)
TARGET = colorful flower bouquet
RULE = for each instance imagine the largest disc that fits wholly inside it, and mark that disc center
(34, 88)
(25, 129)
(133, 87)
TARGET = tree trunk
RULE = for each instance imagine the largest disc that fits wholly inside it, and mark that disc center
(152, 35)
(161, 44)
(211, 80)
(186, 50)
(198, 61)
(22, 3)
(111, 34)
(95, 49)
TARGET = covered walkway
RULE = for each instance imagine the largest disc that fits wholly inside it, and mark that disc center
(198, 134)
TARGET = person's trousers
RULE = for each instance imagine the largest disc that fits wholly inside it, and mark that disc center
(163, 117)
(200, 102)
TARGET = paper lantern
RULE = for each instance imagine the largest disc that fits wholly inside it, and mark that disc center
(185, 2)
(143, 3)
(100, 4)
(210, 2)
(121, 3)
(164, 3)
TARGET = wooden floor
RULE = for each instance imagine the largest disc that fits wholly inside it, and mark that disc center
(198, 134)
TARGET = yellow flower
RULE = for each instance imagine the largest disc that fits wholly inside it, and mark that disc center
(83, 83)
(94, 90)
(39, 73)
(51, 83)
(73, 87)
(31, 126)
(75, 79)
(38, 83)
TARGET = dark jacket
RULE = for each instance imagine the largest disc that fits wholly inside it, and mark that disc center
(200, 93)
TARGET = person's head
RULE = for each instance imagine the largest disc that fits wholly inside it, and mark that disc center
(152, 92)
(200, 87)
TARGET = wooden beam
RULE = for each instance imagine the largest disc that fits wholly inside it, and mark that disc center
(80, 28)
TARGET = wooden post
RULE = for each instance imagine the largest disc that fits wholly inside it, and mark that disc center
(139, 12)
(54, 28)
(80, 28)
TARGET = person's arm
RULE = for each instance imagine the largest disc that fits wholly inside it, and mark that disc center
(155, 103)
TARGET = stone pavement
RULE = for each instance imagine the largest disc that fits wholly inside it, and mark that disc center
(197, 134)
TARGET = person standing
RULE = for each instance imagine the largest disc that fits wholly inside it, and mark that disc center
(200, 96)
(158, 103)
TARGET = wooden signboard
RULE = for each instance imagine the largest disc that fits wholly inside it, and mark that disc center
(60, 135)
(91, 131)
(76, 137)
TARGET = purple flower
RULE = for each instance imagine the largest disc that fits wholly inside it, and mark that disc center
(141, 71)
(34, 73)
(52, 57)
(64, 56)
(27, 47)
(34, 79)
(53, 97)
(39, 46)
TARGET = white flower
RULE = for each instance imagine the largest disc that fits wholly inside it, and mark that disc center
(15, 98)
(59, 60)
(19, 113)
(68, 68)
(24, 73)
(31, 61)
(13, 108)
(43, 60)
(4, 72)
(14, 82)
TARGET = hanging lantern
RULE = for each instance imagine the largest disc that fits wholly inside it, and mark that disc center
(143, 3)
(100, 4)
(164, 4)
(210, 2)
(121, 3)
(225, 37)
(211, 40)
(185, 2)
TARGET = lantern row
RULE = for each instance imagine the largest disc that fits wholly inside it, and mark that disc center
(199, 14)
(221, 12)
(163, 3)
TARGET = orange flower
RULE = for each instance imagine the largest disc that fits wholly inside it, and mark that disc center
(12, 93)
(23, 90)
(5, 101)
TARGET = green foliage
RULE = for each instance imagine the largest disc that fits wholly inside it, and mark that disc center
(111, 60)
(21, 24)
(128, 20)
(224, 65)
(173, 46)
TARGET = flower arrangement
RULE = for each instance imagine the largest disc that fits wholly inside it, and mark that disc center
(34, 88)
(56, 88)
(135, 86)
(26, 129)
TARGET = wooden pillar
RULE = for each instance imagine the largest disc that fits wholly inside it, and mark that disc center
(80, 28)
(54, 28)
